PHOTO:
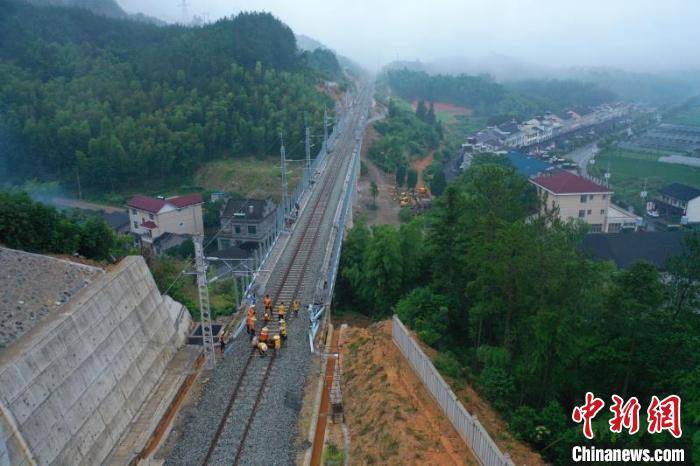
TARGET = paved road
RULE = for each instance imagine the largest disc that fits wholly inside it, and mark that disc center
(583, 155)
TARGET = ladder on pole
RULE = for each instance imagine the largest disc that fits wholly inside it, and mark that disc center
(204, 309)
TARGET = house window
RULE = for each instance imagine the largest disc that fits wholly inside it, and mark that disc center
(136, 224)
(596, 228)
(251, 229)
(590, 211)
(605, 196)
(584, 198)
(237, 229)
(602, 211)
(150, 216)
(581, 214)
(133, 211)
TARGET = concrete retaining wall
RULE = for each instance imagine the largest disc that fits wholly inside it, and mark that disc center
(70, 386)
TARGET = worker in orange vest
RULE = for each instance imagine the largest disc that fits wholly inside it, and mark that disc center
(264, 333)
(268, 303)
(296, 306)
(250, 325)
(251, 310)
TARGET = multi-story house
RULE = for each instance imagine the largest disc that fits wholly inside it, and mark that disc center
(245, 221)
(151, 217)
(576, 197)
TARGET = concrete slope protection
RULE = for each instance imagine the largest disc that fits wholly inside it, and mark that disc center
(71, 385)
(267, 393)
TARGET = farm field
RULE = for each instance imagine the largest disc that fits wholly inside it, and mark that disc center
(446, 112)
(630, 170)
(688, 116)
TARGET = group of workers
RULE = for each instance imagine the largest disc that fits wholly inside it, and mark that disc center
(264, 340)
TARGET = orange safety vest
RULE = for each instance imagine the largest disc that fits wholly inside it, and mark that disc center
(251, 311)
(267, 302)
(296, 306)
(281, 309)
(250, 321)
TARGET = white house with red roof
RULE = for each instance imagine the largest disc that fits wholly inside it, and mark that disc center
(579, 198)
(151, 217)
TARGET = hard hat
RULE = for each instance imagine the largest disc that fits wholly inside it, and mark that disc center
(282, 321)
(276, 337)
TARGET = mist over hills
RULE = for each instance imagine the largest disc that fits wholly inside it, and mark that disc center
(653, 88)
(108, 8)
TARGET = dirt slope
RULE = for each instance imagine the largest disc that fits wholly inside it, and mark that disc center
(392, 419)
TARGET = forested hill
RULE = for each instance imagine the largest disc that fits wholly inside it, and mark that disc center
(488, 97)
(124, 105)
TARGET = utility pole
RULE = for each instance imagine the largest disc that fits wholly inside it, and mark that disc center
(325, 128)
(283, 156)
(308, 154)
(183, 5)
(203, 290)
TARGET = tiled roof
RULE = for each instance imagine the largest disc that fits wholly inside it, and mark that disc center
(564, 182)
(249, 209)
(149, 204)
(680, 191)
(153, 204)
(526, 165)
(627, 248)
(186, 200)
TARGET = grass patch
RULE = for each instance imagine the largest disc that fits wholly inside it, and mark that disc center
(629, 171)
(249, 176)
(332, 456)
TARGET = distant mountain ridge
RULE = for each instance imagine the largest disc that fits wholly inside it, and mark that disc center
(647, 87)
(108, 8)
(309, 44)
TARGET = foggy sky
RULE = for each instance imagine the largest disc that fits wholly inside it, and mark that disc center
(633, 34)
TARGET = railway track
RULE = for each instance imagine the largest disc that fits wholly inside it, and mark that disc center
(234, 426)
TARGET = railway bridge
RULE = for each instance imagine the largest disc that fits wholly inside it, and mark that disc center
(249, 409)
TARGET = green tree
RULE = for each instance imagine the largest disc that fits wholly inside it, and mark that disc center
(438, 183)
(411, 178)
(400, 175)
(421, 110)
(97, 240)
(430, 117)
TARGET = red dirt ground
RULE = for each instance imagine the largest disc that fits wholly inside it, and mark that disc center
(447, 107)
(420, 165)
(392, 419)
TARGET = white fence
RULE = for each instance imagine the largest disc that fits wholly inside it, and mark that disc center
(467, 425)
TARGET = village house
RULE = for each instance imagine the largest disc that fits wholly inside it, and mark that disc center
(678, 201)
(579, 198)
(152, 217)
(249, 222)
